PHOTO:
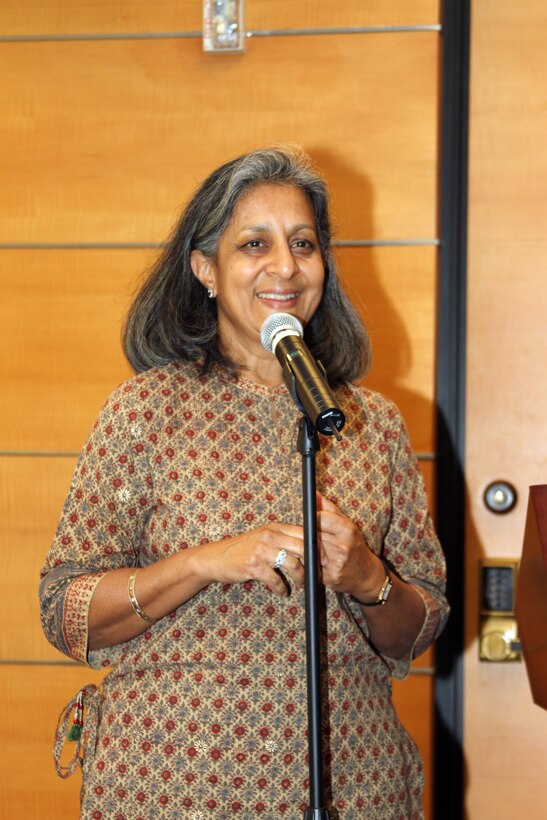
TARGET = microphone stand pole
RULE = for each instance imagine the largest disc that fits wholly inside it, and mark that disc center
(308, 446)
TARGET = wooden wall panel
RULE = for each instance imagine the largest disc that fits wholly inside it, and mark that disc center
(395, 291)
(37, 694)
(102, 141)
(32, 493)
(29, 520)
(508, 123)
(29, 785)
(61, 319)
(55, 17)
(505, 733)
(60, 322)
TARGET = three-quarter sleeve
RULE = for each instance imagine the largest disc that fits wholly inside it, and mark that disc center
(409, 543)
(102, 520)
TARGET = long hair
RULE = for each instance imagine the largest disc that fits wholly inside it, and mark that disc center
(172, 317)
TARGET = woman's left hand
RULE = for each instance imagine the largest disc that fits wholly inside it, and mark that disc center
(347, 563)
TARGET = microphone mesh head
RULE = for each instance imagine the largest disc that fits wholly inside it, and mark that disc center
(275, 323)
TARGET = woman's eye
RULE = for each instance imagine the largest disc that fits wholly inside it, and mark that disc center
(303, 244)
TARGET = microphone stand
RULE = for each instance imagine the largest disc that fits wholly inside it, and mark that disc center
(308, 446)
(323, 414)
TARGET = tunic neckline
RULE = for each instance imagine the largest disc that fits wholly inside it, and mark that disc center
(245, 383)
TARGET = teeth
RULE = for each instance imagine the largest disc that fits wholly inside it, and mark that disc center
(278, 297)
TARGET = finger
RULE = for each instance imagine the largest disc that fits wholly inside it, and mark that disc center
(329, 516)
(277, 583)
(287, 561)
(333, 525)
(279, 559)
(287, 530)
(323, 556)
(292, 546)
(289, 565)
(324, 504)
(288, 537)
(293, 569)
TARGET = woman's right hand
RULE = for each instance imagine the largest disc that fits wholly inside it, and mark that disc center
(251, 556)
(165, 585)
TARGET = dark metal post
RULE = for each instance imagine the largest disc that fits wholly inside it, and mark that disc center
(451, 403)
(308, 446)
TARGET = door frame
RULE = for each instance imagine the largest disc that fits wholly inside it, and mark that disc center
(450, 380)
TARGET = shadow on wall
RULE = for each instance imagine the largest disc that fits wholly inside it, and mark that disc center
(388, 329)
(390, 367)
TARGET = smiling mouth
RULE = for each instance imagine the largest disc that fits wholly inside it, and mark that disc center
(278, 297)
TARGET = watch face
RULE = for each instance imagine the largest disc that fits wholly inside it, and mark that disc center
(382, 595)
(386, 589)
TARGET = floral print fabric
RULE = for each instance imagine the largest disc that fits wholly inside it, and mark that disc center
(205, 714)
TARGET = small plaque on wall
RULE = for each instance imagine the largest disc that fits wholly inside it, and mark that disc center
(223, 29)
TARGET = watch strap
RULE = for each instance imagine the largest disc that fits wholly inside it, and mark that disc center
(384, 591)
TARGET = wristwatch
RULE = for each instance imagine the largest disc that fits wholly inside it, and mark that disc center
(384, 591)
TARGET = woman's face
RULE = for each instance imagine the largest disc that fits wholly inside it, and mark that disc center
(268, 261)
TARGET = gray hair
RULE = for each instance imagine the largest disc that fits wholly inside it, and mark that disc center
(225, 187)
(172, 318)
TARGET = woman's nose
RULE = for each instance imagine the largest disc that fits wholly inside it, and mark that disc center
(281, 261)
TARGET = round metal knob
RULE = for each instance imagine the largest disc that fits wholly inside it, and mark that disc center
(500, 497)
(495, 646)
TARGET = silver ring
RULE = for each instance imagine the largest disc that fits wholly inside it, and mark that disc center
(280, 559)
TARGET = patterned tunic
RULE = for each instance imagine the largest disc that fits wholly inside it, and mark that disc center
(204, 715)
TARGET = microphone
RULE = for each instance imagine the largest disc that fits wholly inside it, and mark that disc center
(306, 380)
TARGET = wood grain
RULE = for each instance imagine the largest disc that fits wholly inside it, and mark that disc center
(54, 17)
(103, 141)
(61, 318)
(505, 737)
(29, 786)
(60, 324)
(395, 292)
(32, 493)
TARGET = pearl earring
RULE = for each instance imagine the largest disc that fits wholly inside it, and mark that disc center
(210, 293)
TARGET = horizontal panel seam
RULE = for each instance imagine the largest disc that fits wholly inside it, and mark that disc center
(337, 243)
(38, 454)
(425, 456)
(383, 243)
(418, 670)
(410, 29)
(192, 35)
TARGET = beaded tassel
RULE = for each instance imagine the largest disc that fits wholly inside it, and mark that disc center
(75, 731)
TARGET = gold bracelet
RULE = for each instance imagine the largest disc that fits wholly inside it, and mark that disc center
(134, 603)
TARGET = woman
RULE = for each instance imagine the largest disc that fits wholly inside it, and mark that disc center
(179, 556)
